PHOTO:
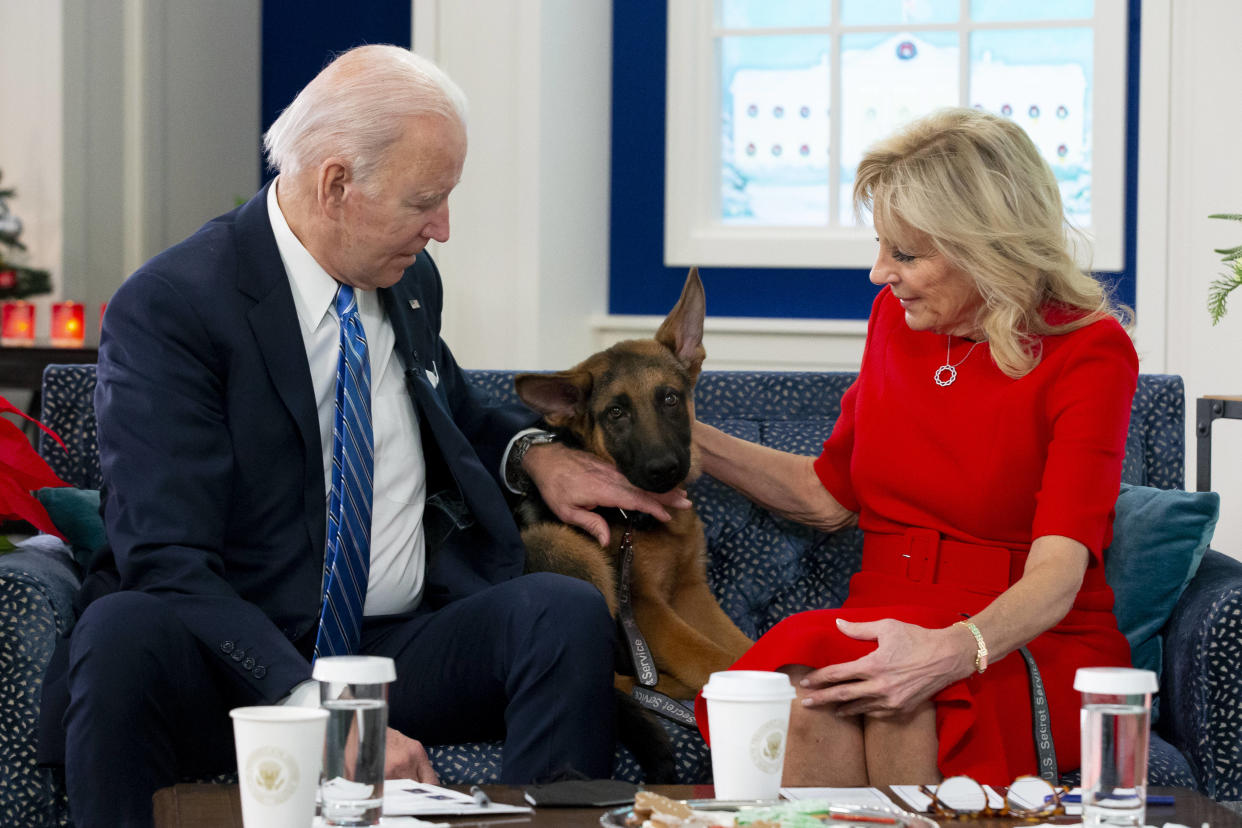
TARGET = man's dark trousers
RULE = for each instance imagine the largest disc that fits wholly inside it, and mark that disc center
(528, 660)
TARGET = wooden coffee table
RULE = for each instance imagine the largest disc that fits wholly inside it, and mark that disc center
(218, 806)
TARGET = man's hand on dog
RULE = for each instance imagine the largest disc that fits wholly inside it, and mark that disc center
(573, 483)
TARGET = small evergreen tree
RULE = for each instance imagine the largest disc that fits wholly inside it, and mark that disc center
(16, 281)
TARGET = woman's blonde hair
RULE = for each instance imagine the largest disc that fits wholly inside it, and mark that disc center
(975, 186)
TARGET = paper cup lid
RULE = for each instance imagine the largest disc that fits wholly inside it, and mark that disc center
(1117, 681)
(277, 713)
(748, 685)
(355, 669)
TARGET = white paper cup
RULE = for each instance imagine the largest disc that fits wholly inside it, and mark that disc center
(279, 755)
(748, 714)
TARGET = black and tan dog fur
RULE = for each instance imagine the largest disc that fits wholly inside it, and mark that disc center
(633, 405)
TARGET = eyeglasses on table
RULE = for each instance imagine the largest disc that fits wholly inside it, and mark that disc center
(1027, 797)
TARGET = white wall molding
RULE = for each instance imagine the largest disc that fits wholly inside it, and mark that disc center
(740, 344)
(1152, 255)
(425, 29)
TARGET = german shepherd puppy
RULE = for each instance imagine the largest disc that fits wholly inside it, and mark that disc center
(633, 405)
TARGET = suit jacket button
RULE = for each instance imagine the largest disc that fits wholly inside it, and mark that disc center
(260, 671)
(248, 664)
(226, 647)
(238, 655)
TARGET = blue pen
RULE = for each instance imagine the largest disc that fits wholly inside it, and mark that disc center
(1153, 799)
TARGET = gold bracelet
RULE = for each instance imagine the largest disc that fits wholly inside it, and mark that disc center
(981, 655)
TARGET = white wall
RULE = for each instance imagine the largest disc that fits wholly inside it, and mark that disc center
(161, 128)
(31, 135)
(1205, 176)
(526, 267)
(31, 131)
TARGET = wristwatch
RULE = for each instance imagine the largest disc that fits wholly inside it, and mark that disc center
(515, 476)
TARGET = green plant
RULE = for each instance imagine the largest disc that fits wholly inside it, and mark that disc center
(1219, 290)
(16, 281)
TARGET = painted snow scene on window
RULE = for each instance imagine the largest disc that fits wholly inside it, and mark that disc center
(778, 93)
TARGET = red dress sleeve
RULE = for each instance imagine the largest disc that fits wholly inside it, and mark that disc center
(833, 464)
(1088, 407)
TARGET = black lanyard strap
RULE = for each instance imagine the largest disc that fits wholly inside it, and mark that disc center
(640, 653)
(657, 702)
(1041, 720)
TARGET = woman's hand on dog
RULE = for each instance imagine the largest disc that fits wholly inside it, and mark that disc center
(573, 483)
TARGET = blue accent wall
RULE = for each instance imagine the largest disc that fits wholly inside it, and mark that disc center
(639, 283)
(300, 37)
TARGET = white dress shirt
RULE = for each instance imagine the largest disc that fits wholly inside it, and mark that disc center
(398, 554)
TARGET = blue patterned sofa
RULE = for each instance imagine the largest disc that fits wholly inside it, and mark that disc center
(762, 568)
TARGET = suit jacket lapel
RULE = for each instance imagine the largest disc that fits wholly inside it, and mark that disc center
(488, 506)
(274, 322)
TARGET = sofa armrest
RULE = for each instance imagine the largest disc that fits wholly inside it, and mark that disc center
(1201, 689)
(38, 583)
(45, 565)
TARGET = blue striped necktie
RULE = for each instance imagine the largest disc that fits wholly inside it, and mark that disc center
(348, 559)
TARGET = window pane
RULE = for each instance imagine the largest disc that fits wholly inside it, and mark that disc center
(765, 13)
(991, 10)
(888, 12)
(1042, 79)
(886, 81)
(774, 130)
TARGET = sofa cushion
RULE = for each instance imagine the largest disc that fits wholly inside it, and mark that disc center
(1159, 537)
(75, 512)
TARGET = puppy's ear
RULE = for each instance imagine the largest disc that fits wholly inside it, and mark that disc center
(682, 331)
(558, 397)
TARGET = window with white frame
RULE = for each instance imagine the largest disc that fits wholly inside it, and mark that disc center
(772, 103)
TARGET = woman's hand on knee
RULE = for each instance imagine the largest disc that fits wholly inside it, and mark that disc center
(405, 758)
(909, 665)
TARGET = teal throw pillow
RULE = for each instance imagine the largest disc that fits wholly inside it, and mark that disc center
(75, 512)
(1159, 537)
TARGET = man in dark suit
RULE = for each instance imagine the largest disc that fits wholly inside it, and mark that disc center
(216, 398)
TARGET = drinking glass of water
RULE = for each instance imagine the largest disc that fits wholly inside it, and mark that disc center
(354, 691)
(1116, 727)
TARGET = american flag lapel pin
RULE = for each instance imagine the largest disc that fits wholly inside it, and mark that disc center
(415, 304)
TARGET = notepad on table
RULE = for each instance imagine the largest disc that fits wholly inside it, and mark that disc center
(405, 797)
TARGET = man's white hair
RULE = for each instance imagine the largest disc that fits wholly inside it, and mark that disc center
(357, 107)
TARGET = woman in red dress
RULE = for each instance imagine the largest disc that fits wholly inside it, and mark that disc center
(980, 451)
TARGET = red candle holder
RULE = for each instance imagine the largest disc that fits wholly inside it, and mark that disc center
(18, 325)
(68, 325)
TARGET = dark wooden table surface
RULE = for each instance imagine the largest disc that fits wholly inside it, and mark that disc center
(22, 369)
(219, 806)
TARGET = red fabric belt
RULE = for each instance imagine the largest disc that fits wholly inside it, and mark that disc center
(924, 556)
